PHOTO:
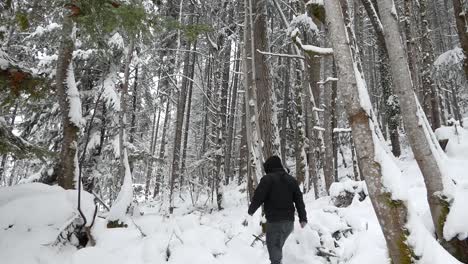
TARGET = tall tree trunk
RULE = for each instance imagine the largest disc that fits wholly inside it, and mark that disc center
(244, 153)
(182, 98)
(427, 50)
(187, 116)
(150, 156)
(133, 120)
(265, 94)
(232, 110)
(460, 18)
(286, 73)
(411, 48)
(328, 124)
(162, 148)
(391, 107)
(68, 160)
(254, 139)
(415, 124)
(391, 218)
(300, 134)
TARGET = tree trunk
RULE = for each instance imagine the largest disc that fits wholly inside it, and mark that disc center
(187, 116)
(461, 21)
(254, 139)
(265, 94)
(182, 98)
(162, 147)
(392, 218)
(427, 50)
(68, 159)
(328, 117)
(391, 107)
(232, 110)
(418, 134)
(133, 120)
(150, 156)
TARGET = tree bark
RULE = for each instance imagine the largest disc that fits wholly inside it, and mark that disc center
(162, 147)
(391, 113)
(182, 98)
(230, 129)
(427, 50)
(254, 139)
(416, 126)
(66, 166)
(265, 94)
(391, 218)
(461, 22)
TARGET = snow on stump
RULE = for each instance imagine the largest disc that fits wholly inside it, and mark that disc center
(49, 210)
(343, 193)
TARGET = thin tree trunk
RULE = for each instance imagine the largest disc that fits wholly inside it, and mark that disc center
(182, 98)
(149, 158)
(328, 167)
(286, 101)
(427, 61)
(162, 147)
(187, 117)
(67, 165)
(232, 110)
(133, 120)
(461, 21)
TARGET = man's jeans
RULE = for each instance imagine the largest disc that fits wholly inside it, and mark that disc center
(276, 235)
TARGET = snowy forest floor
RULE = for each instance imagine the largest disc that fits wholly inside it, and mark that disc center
(203, 235)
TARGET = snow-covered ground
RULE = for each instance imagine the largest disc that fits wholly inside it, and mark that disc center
(32, 215)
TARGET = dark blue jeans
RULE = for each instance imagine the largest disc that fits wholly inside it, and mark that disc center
(276, 235)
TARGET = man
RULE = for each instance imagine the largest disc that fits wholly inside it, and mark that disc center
(279, 192)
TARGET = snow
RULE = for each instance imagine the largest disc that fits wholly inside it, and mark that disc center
(456, 164)
(318, 50)
(4, 60)
(450, 57)
(198, 233)
(40, 30)
(391, 173)
(306, 20)
(316, 2)
(31, 216)
(124, 199)
(116, 41)
(341, 130)
(74, 100)
(109, 93)
(364, 99)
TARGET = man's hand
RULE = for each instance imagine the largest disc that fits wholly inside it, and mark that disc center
(247, 219)
(303, 224)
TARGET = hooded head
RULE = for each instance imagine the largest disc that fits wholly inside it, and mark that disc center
(272, 163)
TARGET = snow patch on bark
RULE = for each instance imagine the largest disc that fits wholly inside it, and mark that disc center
(74, 100)
(125, 197)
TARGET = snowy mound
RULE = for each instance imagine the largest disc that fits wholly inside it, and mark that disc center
(32, 216)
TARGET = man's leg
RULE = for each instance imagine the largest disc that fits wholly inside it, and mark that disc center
(276, 235)
(287, 229)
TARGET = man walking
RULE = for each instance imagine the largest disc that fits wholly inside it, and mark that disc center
(279, 192)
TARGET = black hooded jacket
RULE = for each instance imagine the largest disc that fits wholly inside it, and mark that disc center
(279, 192)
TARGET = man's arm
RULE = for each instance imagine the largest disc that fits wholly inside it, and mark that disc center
(260, 195)
(299, 202)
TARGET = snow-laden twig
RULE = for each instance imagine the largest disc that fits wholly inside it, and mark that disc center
(281, 55)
